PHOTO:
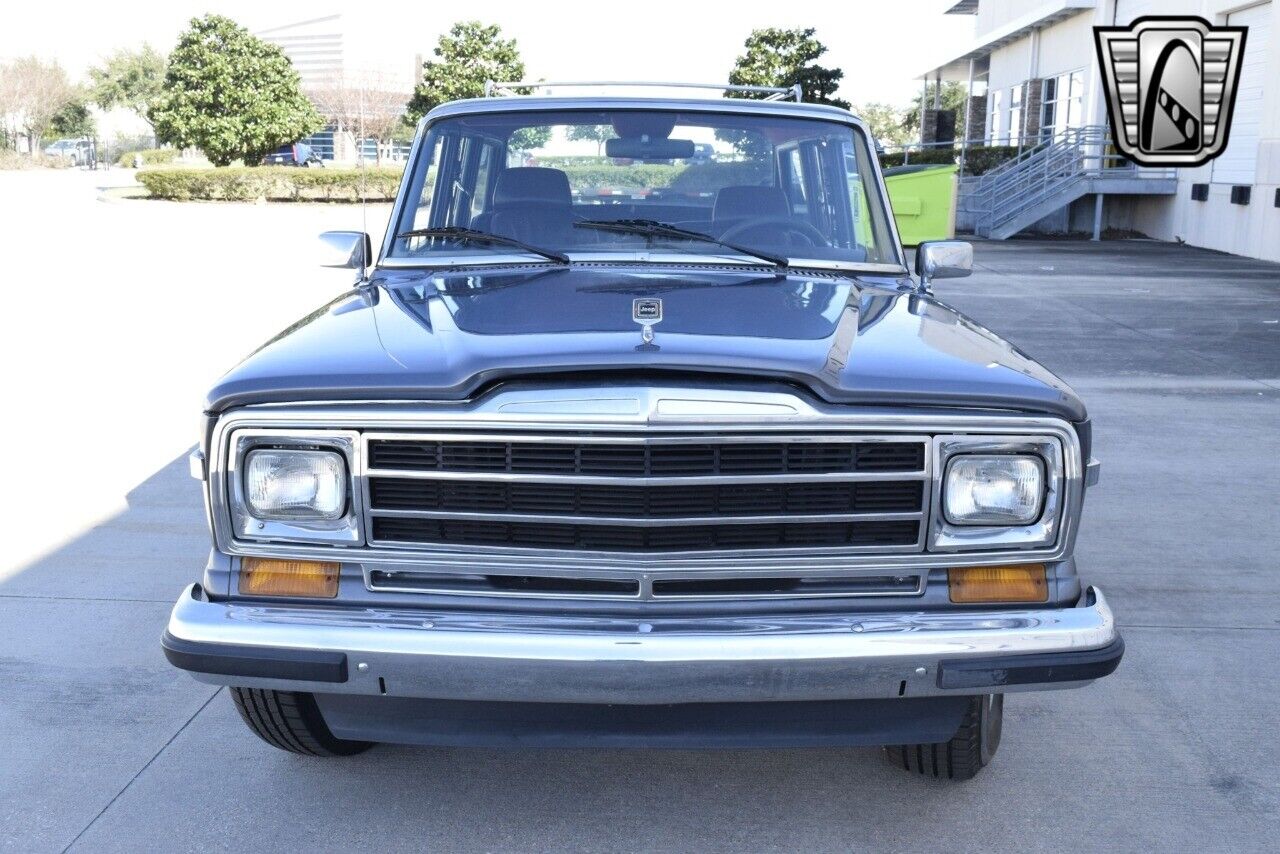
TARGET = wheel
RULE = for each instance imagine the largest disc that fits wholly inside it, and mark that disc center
(969, 750)
(291, 721)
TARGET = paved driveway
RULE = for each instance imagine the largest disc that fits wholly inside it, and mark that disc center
(124, 312)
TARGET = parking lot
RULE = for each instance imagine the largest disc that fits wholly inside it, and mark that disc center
(119, 314)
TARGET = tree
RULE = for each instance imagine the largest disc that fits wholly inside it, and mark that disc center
(73, 120)
(231, 94)
(364, 103)
(468, 55)
(776, 57)
(130, 79)
(35, 92)
(885, 122)
(953, 98)
(598, 134)
(527, 139)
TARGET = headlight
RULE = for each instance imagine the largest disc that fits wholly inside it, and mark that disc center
(295, 484)
(991, 489)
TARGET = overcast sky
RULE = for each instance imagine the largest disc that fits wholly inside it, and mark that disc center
(882, 47)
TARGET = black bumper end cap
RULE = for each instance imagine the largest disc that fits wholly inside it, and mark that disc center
(1038, 668)
(302, 665)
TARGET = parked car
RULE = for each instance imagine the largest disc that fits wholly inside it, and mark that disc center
(708, 467)
(297, 154)
(77, 151)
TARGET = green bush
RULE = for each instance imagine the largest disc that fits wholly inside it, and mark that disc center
(273, 183)
(150, 157)
(984, 158)
(583, 177)
(709, 177)
(978, 159)
(927, 155)
(694, 178)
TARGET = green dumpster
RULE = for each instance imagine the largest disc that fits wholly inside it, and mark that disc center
(924, 201)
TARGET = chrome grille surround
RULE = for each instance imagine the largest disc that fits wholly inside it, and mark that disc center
(644, 414)
(650, 445)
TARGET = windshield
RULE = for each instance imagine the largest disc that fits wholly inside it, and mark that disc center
(790, 188)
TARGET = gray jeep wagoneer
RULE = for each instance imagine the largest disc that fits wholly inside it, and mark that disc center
(649, 439)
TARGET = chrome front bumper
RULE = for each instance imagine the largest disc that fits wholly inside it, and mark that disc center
(509, 657)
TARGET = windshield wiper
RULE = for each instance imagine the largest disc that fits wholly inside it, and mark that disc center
(471, 235)
(654, 228)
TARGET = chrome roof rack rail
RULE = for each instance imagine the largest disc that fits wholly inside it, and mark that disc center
(775, 93)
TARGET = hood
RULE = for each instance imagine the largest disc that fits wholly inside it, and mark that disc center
(441, 336)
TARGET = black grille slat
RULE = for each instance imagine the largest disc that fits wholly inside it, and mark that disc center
(889, 456)
(776, 457)
(623, 538)
(795, 499)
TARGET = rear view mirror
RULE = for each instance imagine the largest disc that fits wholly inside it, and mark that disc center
(649, 148)
(943, 259)
(346, 249)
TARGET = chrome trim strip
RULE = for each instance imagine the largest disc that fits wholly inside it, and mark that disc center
(638, 480)
(556, 658)
(647, 521)
(645, 585)
(701, 439)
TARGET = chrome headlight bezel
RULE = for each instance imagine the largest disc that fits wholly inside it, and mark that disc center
(945, 536)
(248, 525)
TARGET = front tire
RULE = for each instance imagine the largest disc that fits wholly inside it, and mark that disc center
(969, 751)
(291, 721)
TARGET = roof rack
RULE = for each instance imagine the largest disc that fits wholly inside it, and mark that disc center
(775, 93)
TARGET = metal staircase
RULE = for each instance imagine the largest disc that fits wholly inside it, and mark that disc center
(1048, 177)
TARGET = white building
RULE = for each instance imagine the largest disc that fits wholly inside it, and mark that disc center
(348, 76)
(1033, 65)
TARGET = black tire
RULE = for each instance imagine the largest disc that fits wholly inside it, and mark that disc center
(291, 721)
(969, 751)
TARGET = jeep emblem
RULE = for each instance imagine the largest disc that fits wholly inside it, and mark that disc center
(646, 312)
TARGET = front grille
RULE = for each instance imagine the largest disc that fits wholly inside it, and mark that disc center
(647, 494)
(644, 460)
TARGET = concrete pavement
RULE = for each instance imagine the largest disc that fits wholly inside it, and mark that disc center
(124, 313)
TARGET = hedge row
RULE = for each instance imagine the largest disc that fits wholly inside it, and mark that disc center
(150, 157)
(272, 183)
(694, 178)
(978, 160)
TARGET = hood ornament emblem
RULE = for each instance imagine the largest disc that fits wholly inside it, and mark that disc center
(646, 312)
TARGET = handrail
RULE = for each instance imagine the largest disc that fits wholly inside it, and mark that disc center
(775, 93)
(1037, 174)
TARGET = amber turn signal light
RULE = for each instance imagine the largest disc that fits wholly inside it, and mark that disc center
(1023, 582)
(262, 576)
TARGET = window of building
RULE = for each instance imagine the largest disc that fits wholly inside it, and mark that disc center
(994, 113)
(1061, 103)
(1015, 114)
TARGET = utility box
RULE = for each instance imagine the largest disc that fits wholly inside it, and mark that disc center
(923, 199)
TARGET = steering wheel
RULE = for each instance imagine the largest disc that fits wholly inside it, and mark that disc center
(809, 235)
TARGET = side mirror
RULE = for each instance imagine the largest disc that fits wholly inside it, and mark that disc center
(943, 259)
(347, 249)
